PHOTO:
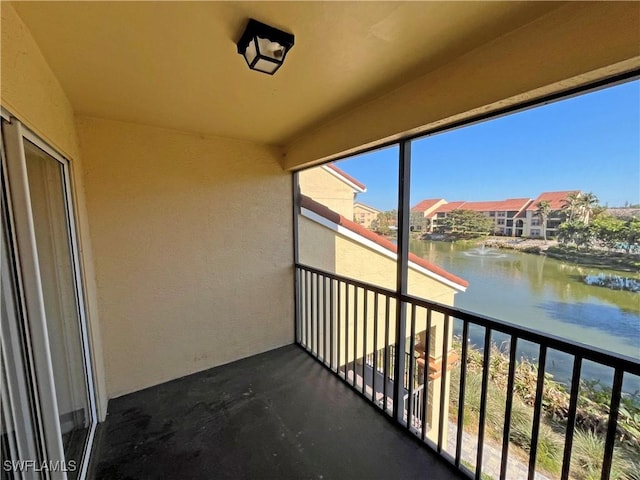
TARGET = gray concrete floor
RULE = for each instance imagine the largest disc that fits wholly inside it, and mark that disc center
(275, 415)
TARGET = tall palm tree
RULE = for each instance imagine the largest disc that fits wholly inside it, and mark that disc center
(588, 202)
(543, 211)
(571, 206)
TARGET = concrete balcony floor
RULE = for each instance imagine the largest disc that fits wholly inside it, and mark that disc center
(279, 414)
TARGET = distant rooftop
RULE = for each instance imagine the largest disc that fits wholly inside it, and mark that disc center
(425, 205)
(555, 199)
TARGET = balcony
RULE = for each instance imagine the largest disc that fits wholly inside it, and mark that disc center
(300, 411)
(275, 415)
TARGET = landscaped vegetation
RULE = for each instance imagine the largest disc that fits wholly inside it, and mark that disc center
(591, 421)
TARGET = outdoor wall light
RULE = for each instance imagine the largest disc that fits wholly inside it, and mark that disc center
(264, 47)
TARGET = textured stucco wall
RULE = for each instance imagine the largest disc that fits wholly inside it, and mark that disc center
(193, 244)
(325, 188)
(29, 88)
(323, 248)
(30, 91)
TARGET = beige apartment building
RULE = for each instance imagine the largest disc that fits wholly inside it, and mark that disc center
(514, 217)
(364, 214)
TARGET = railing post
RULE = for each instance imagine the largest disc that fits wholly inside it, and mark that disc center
(404, 172)
(296, 281)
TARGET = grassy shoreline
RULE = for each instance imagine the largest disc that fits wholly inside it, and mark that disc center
(591, 422)
(596, 258)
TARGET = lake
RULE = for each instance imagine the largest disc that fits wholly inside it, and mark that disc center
(547, 295)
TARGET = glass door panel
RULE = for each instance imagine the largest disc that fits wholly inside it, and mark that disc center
(47, 192)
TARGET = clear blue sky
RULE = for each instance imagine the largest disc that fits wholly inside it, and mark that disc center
(589, 143)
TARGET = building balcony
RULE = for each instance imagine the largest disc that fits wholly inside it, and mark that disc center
(329, 406)
(275, 415)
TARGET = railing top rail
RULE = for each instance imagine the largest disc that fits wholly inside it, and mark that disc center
(586, 352)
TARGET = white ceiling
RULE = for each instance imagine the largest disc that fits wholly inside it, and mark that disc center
(175, 64)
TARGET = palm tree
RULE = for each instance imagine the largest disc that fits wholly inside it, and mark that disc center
(543, 211)
(588, 202)
(571, 206)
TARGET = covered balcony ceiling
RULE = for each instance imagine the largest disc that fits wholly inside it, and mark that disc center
(188, 76)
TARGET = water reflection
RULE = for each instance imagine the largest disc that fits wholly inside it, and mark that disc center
(605, 318)
(615, 282)
(542, 293)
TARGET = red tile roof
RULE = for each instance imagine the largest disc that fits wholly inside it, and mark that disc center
(338, 219)
(556, 199)
(344, 174)
(425, 205)
(509, 205)
(448, 207)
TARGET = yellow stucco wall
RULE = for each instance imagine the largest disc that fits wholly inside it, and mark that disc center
(30, 91)
(29, 88)
(193, 243)
(325, 249)
(328, 190)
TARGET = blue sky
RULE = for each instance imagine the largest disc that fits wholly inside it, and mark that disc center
(589, 143)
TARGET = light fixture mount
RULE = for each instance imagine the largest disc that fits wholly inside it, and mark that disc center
(263, 47)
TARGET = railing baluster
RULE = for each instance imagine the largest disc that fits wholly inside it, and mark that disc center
(614, 407)
(386, 352)
(537, 409)
(355, 333)
(318, 316)
(506, 433)
(412, 337)
(571, 417)
(364, 336)
(375, 346)
(331, 321)
(483, 401)
(443, 381)
(338, 325)
(346, 325)
(314, 312)
(324, 319)
(427, 354)
(309, 304)
(463, 382)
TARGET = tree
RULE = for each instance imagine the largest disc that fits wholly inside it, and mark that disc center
(384, 221)
(466, 223)
(587, 203)
(631, 235)
(417, 221)
(608, 230)
(571, 206)
(543, 211)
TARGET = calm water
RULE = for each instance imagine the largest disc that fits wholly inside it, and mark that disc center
(547, 295)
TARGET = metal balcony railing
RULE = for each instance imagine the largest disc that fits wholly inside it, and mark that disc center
(368, 336)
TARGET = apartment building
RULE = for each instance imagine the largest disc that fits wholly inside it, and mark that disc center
(364, 214)
(513, 217)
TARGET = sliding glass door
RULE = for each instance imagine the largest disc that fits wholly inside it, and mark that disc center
(38, 193)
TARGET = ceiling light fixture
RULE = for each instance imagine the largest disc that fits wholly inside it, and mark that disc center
(264, 47)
